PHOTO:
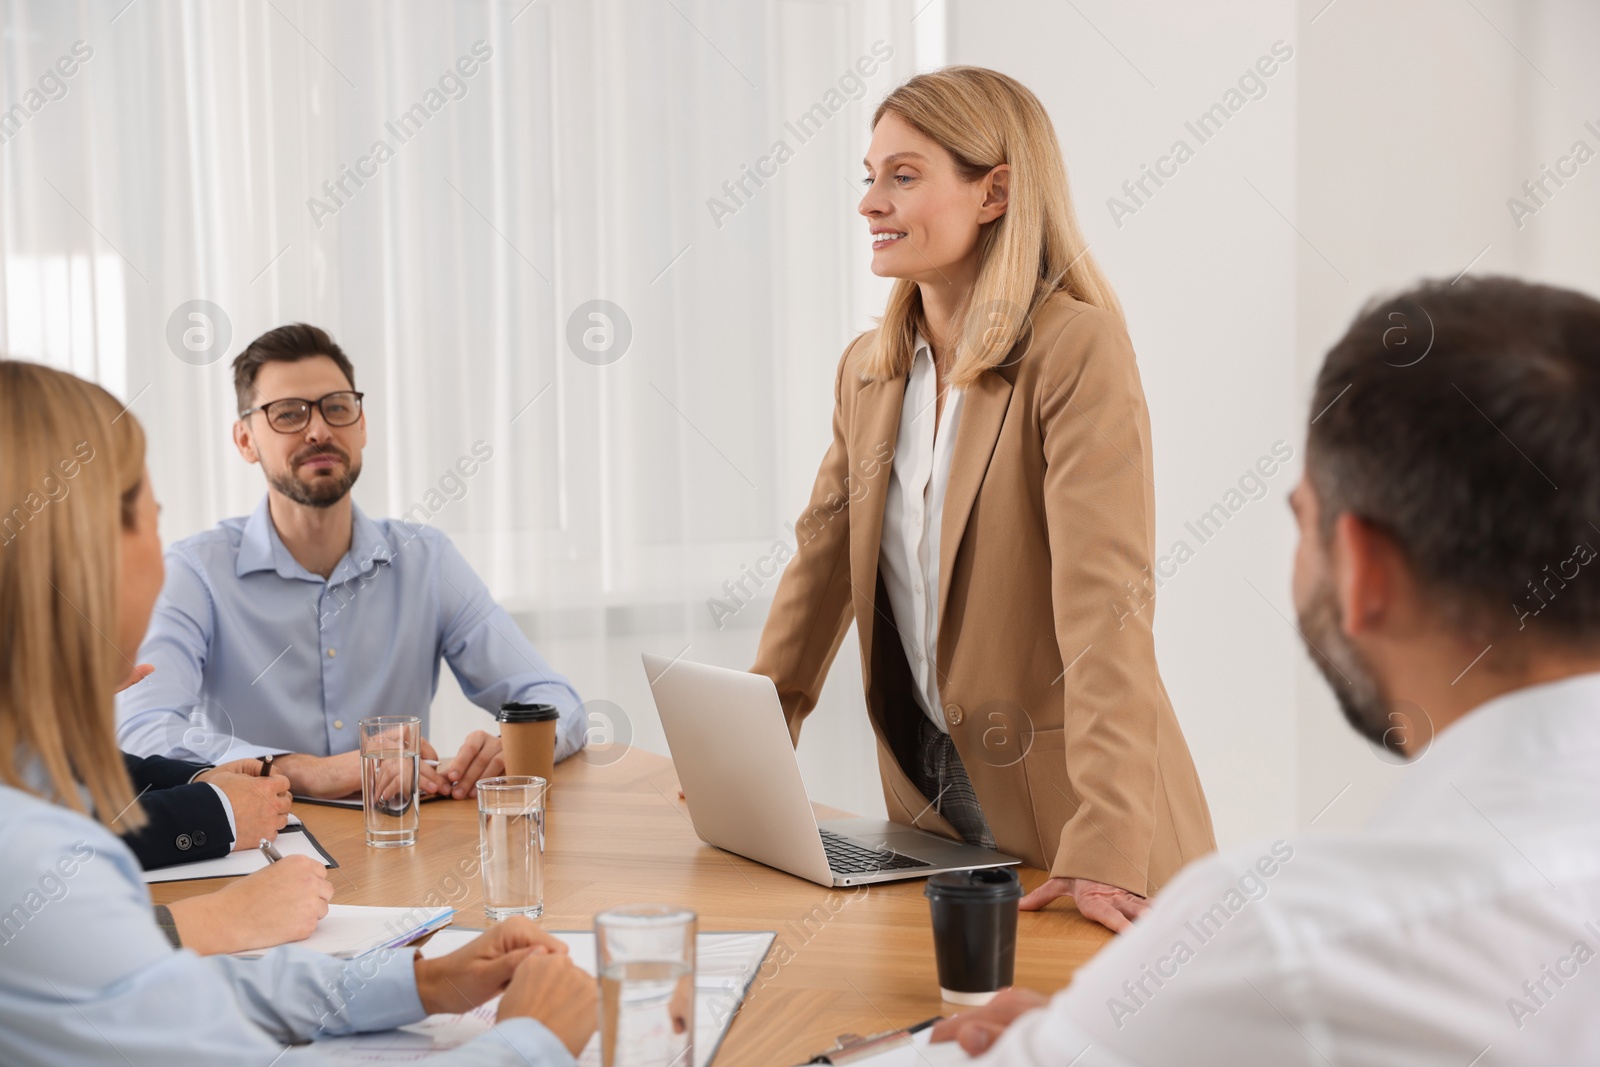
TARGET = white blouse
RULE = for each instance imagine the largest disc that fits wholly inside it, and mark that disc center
(909, 552)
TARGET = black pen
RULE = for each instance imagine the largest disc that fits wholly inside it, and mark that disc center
(272, 854)
(266, 764)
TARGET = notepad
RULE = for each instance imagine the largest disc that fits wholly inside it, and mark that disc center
(350, 931)
(726, 965)
(293, 840)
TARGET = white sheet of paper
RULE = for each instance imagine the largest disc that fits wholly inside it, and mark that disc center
(726, 963)
(234, 864)
(349, 930)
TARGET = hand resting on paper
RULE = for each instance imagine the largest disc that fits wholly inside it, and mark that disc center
(527, 968)
(559, 994)
(977, 1030)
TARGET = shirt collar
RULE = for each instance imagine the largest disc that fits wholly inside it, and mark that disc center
(261, 549)
(1512, 738)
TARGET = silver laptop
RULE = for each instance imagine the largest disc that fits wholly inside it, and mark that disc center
(737, 766)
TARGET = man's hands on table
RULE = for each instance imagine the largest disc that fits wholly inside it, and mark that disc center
(480, 756)
(527, 968)
(331, 777)
(977, 1030)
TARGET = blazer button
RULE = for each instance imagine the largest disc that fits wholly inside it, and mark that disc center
(952, 714)
(183, 842)
(200, 839)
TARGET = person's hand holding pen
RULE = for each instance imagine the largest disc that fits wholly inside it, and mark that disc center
(273, 906)
(259, 798)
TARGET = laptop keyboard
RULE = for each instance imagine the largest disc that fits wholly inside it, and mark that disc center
(847, 857)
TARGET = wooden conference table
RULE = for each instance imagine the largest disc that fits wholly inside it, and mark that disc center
(845, 960)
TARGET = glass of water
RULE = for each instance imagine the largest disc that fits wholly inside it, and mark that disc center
(645, 954)
(391, 754)
(511, 845)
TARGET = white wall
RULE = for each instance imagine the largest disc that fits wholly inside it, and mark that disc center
(1205, 270)
(1417, 123)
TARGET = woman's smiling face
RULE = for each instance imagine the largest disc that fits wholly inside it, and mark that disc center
(924, 219)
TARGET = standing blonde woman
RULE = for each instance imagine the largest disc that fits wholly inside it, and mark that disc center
(984, 511)
(86, 975)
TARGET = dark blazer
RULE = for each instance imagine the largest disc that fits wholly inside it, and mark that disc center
(186, 822)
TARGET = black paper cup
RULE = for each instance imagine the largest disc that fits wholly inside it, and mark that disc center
(974, 932)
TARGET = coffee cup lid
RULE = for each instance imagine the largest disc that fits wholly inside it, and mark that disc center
(984, 884)
(511, 711)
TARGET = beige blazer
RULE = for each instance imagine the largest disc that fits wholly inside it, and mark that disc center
(1046, 661)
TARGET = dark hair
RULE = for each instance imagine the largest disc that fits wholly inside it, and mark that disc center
(286, 344)
(1464, 419)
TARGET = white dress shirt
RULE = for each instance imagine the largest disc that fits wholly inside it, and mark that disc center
(909, 553)
(1460, 927)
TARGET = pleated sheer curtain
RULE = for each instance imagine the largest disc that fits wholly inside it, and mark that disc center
(609, 244)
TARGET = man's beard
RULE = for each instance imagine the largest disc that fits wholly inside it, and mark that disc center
(322, 490)
(1347, 671)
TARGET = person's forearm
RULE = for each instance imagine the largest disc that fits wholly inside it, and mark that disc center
(305, 773)
(198, 927)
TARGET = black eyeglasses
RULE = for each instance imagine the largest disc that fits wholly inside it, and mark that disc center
(291, 414)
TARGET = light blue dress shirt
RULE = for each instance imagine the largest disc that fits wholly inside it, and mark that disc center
(86, 976)
(255, 654)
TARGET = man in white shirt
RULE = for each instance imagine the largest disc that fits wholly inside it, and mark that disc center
(1446, 585)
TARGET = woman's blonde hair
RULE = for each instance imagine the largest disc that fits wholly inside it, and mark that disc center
(71, 466)
(983, 119)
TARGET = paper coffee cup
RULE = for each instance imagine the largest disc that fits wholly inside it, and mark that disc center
(528, 738)
(974, 931)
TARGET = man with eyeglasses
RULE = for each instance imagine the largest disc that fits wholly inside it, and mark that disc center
(278, 632)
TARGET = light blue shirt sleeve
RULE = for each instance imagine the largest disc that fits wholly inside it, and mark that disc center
(492, 658)
(163, 715)
(87, 977)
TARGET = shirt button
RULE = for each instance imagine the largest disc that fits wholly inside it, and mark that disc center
(200, 839)
(183, 842)
(332, 652)
(952, 714)
(338, 724)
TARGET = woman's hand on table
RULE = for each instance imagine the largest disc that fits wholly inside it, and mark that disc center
(555, 991)
(1113, 908)
(482, 969)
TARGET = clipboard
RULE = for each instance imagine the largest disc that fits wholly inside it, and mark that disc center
(853, 1048)
(243, 861)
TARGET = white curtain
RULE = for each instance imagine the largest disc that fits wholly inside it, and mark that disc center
(521, 160)
(535, 157)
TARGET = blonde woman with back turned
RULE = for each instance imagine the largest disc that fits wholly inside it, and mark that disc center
(983, 508)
